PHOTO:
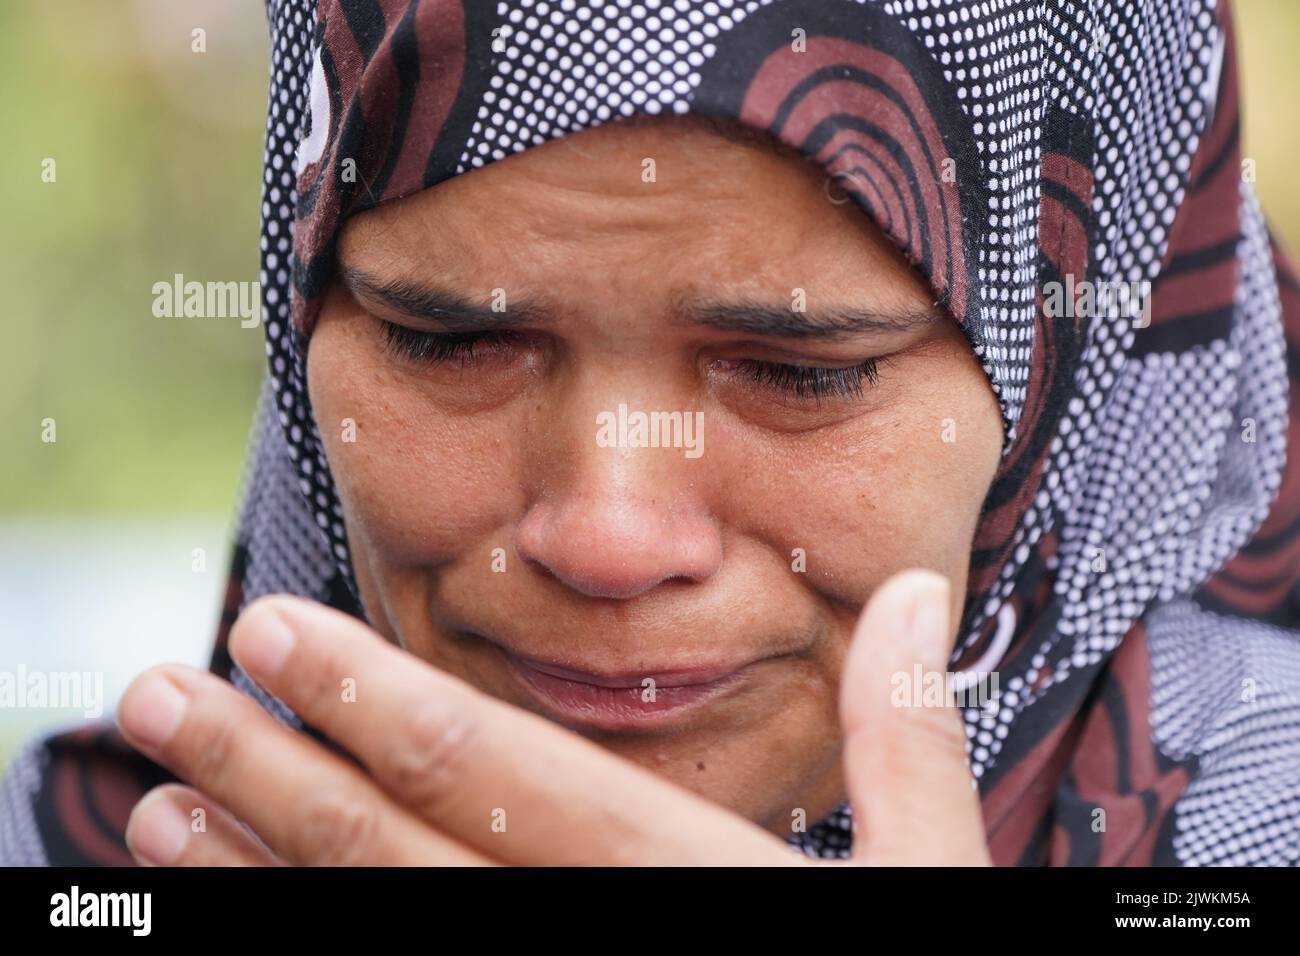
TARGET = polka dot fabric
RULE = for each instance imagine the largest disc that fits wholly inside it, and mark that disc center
(1243, 807)
(1134, 576)
(565, 66)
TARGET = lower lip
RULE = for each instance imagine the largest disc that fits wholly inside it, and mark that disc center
(620, 708)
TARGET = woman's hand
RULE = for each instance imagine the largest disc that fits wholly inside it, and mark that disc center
(455, 777)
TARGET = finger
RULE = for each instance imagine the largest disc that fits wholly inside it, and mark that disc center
(175, 825)
(499, 778)
(309, 806)
(912, 794)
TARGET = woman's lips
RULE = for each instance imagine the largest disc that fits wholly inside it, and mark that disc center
(624, 702)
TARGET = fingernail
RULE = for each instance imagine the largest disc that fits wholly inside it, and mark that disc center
(151, 710)
(264, 645)
(158, 830)
(928, 630)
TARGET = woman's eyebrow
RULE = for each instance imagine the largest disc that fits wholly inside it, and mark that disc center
(454, 311)
(762, 318)
(457, 313)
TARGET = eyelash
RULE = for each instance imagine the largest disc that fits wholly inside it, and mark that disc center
(812, 381)
(439, 347)
(803, 381)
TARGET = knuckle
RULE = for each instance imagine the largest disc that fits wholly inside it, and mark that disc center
(945, 731)
(932, 736)
(212, 748)
(434, 746)
(321, 680)
(337, 829)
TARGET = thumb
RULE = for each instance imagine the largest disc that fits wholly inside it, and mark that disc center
(913, 797)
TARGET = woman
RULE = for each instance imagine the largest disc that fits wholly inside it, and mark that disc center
(619, 356)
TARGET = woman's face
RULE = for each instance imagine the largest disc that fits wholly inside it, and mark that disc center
(689, 606)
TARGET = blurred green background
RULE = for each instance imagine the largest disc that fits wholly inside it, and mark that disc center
(158, 153)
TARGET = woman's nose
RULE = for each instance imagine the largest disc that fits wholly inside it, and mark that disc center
(621, 521)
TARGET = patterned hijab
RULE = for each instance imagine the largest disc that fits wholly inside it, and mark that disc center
(1135, 576)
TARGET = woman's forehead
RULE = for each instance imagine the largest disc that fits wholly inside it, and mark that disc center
(634, 197)
(684, 168)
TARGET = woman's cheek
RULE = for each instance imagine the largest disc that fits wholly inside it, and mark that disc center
(897, 488)
(417, 486)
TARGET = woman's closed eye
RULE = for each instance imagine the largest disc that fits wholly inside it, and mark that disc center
(811, 381)
(464, 349)
(437, 348)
